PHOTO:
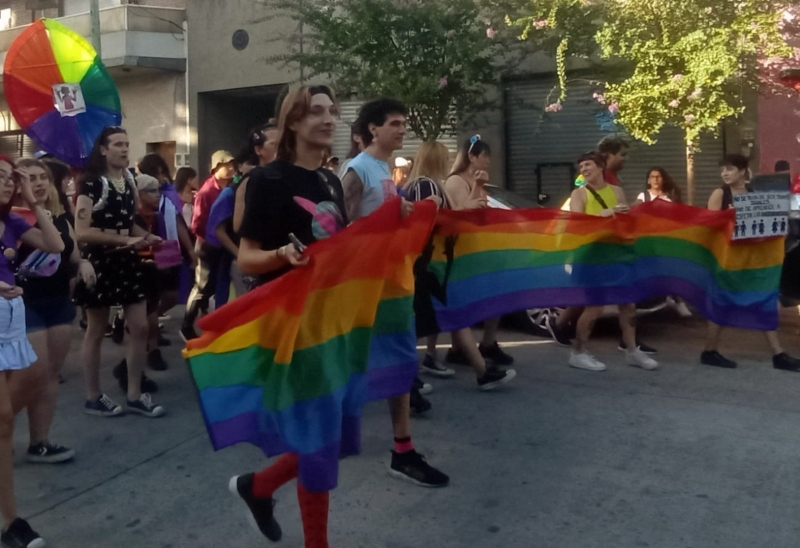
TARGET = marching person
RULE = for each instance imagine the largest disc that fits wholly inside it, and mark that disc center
(734, 172)
(105, 225)
(16, 353)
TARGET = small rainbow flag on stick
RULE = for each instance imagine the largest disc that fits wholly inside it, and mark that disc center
(538, 258)
(290, 366)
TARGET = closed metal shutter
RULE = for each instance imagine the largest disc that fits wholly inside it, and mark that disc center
(348, 112)
(543, 146)
(17, 145)
(74, 7)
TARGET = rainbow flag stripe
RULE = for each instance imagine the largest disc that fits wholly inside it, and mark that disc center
(290, 366)
(510, 260)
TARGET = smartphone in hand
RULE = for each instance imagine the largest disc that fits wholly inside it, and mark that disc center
(298, 245)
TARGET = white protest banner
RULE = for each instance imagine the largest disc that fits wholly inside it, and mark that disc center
(761, 214)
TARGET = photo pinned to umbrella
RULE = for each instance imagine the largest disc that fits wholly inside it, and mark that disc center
(59, 91)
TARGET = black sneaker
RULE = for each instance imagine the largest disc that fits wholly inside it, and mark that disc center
(712, 357)
(558, 334)
(118, 329)
(163, 341)
(643, 347)
(144, 406)
(121, 374)
(785, 362)
(419, 404)
(495, 353)
(432, 367)
(188, 333)
(48, 453)
(103, 406)
(456, 356)
(156, 361)
(261, 514)
(109, 331)
(423, 387)
(411, 466)
(20, 535)
(494, 377)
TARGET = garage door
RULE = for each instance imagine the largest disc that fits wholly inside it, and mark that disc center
(543, 146)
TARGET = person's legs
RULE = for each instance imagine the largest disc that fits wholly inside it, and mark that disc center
(713, 335)
(400, 411)
(314, 509)
(585, 326)
(136, 318)
(490, 328)
(204, 284)
(42, 410)
(97, 320)
(569, 316)
(710, 355)
(464, 340)
(8, 506)
(634, 352)
(430, 345)
(489, 348)
(774, 343)
(627, 323)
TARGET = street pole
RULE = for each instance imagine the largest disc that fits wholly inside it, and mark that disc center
(94, 11)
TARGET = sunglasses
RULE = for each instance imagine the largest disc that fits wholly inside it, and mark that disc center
(472, 140)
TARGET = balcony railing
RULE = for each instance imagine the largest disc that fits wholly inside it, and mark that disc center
(127, 31)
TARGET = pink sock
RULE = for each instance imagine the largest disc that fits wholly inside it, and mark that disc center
(403, 445)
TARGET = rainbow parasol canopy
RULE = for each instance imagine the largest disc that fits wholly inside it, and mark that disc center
(59, 91)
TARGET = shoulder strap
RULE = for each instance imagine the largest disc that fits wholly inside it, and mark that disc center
(727, 197)
(101, 203)
(647, 196)
(597, 196)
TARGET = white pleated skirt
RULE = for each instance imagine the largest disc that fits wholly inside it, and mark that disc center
(15, 350)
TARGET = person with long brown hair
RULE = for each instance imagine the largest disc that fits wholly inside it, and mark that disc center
(49, 313)
(660, 186)
(105, 227)
(289, 196)
(16, 353)
(465, 190)
(429, 171)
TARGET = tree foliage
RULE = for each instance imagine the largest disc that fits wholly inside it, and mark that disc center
(438, 57)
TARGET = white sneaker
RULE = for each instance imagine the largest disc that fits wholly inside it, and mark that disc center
(584, 360)
(683, 310)
(637, 358)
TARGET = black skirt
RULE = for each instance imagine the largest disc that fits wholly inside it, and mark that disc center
(120, 278)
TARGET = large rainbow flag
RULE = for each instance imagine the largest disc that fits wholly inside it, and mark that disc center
(512, 260)
(290, 366)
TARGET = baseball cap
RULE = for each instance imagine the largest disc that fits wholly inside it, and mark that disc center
(146, 182)
(220, 157)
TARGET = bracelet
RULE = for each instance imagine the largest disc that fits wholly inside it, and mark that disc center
(281, 252)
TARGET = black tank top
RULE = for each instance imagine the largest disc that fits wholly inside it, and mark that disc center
(56, 286)
(727, 196)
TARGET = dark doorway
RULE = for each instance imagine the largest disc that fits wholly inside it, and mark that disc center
(225, 117)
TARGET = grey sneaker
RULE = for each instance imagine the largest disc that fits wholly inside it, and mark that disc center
(637, 358)
(584, 360)
(432, 367)
(48, 453)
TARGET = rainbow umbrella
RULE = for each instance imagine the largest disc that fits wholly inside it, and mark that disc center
(59, 91)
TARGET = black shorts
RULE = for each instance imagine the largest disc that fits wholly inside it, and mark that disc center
(49, 313)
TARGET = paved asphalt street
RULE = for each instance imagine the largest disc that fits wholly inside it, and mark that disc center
(687, 456)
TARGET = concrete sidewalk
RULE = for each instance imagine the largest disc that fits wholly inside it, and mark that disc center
(687, 456)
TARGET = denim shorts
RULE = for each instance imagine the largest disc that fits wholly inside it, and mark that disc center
(48, 313)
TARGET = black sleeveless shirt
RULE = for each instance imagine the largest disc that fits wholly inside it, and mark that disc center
(56, 286)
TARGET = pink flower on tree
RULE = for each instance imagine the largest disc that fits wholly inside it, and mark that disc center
(450, 33)
(599, 97)
(689, 118)
(677, 78)
(554, 107)
(696, 94)
(490, 33)
(442, 82)
(540, 24)
(674, 103)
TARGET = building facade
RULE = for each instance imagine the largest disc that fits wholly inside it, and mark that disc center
(143, 45)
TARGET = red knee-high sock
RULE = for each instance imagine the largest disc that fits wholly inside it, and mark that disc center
(314, 510)
(266, 482)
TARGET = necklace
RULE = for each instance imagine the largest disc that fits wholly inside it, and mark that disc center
(119, 184)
